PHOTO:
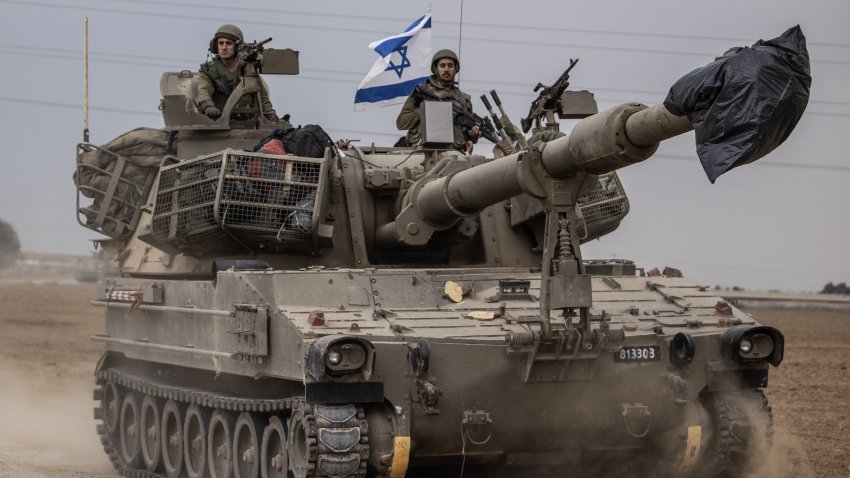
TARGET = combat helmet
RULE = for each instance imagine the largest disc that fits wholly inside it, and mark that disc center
(444, 53)
(231, 32)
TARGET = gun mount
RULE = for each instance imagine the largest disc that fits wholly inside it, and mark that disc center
(284, 315)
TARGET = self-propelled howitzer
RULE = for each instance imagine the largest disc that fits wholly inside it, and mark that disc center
(392, 312)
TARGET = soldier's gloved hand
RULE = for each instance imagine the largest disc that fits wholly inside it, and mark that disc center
(271, 116)
(475, 133)
(212, 112)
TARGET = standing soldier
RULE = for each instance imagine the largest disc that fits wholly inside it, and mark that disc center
(444, 68)
(219, 76)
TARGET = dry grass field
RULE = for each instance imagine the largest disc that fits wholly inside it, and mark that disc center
(47, 359)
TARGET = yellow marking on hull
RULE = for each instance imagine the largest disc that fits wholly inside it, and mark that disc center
(401, 457)
(693, 447)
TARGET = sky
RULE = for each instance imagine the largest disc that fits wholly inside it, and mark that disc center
(778, 224)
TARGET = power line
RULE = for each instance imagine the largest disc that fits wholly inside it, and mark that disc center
(130, 59)
(76, 106)
(348, 16)
(356, 30)
(72, 54)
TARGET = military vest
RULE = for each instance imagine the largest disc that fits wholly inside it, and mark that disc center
(225, 81)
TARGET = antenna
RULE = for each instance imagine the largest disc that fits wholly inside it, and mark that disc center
(460, 37)
(86, 81)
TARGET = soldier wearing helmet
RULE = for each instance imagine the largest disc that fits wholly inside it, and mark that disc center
(219, 76)
(444, 68)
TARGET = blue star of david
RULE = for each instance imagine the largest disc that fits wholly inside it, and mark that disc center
(405, 62)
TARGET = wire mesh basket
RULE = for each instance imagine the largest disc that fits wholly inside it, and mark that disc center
(235, 201)
(111, 190)
(604, 206)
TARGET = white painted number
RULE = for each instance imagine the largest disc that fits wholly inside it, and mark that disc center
(637, 354)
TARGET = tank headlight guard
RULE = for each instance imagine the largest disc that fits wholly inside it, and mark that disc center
(337, 355)
(745, 344)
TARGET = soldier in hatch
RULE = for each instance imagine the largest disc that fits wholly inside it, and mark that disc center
(220, 75)
(444, 68)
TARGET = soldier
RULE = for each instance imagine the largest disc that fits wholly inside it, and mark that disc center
(219, 76)
(444, 68)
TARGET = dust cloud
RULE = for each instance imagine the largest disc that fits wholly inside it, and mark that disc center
(46, 429)
(785, 459)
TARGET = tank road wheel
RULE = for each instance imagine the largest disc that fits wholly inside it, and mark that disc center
(274, 453)
(302, 443)
(743, 432)
(129, 432)
(111, 404)
(150, 433)
(246, 446)
(220, 445)
(172, 439)
(195, 441)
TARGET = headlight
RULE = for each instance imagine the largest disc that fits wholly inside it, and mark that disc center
(345, 356)
(746, 344)
(334, 358)
(755, 346)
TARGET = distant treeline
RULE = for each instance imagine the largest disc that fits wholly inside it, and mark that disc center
(831, 288)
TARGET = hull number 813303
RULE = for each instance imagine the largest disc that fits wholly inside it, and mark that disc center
(638, 354)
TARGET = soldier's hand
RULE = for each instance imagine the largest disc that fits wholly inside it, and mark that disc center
(271, 116)
(474, 133)
(212, 112)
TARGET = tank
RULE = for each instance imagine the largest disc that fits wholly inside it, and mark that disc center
(390, 312)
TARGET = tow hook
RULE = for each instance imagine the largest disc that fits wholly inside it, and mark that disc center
(476, 426)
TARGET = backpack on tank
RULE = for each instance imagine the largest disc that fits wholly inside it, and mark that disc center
(308, 141)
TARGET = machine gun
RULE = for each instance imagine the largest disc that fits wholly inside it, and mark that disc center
(251, 52)
(547, 101)
(466, 118)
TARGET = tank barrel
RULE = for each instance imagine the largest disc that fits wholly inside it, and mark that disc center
(654, 125)
(613, 139)
(469, 191)
(598, 144)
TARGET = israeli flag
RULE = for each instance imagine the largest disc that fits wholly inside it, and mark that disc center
(405, 61)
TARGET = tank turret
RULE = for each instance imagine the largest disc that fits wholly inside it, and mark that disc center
(313, 308)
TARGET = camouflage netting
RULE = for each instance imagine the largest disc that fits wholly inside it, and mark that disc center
(143, 150)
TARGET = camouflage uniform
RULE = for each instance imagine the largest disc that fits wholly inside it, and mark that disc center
(409, 117)
(216, 82)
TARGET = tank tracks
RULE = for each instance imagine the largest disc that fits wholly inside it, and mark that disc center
(273, 437)
(743, 432)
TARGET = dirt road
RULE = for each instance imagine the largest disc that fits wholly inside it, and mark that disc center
(47, 359)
